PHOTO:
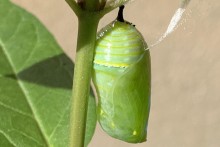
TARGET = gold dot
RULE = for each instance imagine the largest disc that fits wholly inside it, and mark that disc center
(101, 112)
(134, 132)
(113, 125)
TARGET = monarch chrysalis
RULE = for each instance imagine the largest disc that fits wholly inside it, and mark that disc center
(122, 78)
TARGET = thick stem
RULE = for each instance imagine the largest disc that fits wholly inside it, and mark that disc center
(82, 75)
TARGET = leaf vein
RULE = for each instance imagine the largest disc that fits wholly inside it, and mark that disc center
(33, 49)
(60, 120)
(8, 138)
(16, 30)
(15, 110)
(26, 96)
(27, 136)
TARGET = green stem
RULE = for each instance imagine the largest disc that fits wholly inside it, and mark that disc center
(88, 24)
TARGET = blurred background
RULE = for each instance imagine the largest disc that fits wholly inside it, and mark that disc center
(185, 109)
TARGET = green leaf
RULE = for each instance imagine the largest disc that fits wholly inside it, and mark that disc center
(35, 84)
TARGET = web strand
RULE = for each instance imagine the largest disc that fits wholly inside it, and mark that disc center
(173, 22)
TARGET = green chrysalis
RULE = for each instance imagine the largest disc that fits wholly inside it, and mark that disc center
(122, 78)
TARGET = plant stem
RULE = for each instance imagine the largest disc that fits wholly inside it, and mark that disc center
(87, 29)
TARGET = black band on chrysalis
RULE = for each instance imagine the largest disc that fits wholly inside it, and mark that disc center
(120, 14)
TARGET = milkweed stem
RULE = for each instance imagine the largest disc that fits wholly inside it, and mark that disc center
(88, 18)
(82, 75)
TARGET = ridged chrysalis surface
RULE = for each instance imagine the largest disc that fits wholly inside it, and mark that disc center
(122, 78)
